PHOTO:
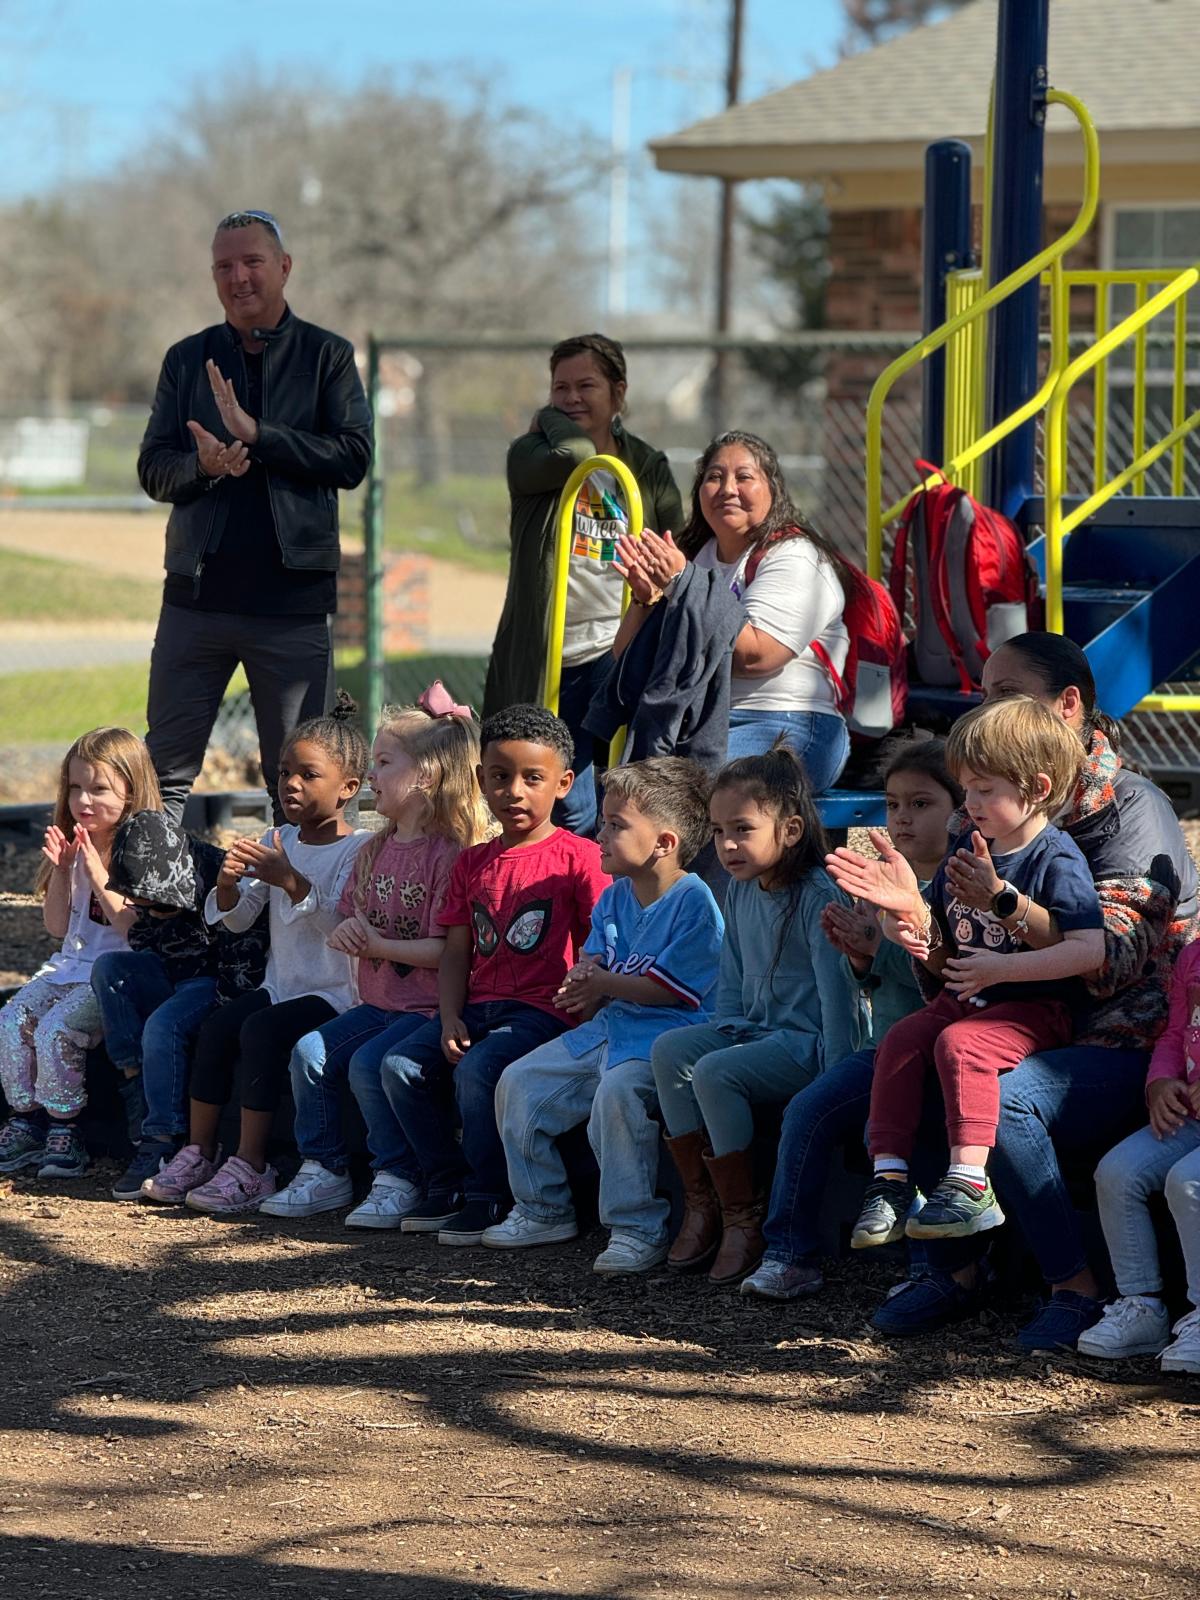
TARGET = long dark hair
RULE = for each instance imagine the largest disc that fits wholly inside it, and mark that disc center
(1059, 664)
(778, 783)
(782, 521)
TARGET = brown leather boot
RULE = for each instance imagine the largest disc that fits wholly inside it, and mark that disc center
(701, 1226)
(742, 1212)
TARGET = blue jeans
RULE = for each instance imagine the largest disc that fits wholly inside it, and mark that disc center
(321, 1064)
(819, 738)
(151, 1023)
(1138, 1167)
(578, 810)
(1080, 1100)
(430, 1098)
(547, 1093)
(818, 1120)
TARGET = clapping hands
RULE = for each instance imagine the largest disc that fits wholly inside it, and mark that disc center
(854, 930)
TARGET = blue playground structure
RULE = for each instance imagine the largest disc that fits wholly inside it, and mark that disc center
(1120, 568)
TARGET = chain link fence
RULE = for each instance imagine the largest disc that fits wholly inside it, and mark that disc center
(81, 547)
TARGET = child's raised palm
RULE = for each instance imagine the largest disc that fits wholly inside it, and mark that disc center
(57, 848)
(888, 882)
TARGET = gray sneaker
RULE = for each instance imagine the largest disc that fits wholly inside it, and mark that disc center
(65, 1154)
(22, 1144)
(783, 1280)
(887, 1206)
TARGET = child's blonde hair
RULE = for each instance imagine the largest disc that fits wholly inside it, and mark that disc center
(1015, 739)
(128, 757)
(445, 752)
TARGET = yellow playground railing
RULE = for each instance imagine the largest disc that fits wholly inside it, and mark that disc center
(1156, 293)
(1060, 524)
(975, 308)
(563, 539)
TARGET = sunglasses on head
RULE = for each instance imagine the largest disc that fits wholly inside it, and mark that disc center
(245, 219)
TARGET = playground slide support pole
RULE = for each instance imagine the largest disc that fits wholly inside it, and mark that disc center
(373, 549)
(1016, 212)
(946, 247)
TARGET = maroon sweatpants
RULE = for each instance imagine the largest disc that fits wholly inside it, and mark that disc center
(969, 1046)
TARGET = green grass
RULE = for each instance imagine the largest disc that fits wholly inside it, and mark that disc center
(38, 589)
(55, 706)
(463, 518)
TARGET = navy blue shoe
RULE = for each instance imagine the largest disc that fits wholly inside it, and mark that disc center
(930, 1301)
(148, 1158)
(1060, 1321)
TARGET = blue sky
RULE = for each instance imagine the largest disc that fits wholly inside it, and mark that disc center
(84, 83)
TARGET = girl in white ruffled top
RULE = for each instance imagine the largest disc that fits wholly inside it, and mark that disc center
(297, 874)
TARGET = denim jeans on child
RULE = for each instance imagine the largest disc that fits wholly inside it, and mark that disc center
(350, 1049)
(547, 1093)
(818, 1121)
(151, 1023)
(429, 1096)
(1140, 1166)
(819, 739)
(709, 1078)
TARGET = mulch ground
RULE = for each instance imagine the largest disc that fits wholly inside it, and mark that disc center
(199, 1409)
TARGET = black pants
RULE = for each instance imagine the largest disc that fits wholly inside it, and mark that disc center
(289, 667)
(250, 1041)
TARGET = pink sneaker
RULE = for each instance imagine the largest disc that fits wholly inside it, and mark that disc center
(185, 1171)
(236, 1188)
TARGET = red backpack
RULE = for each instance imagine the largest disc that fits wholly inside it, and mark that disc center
(872, 691)
(973, 584)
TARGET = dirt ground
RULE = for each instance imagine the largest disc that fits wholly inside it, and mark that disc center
(200, 1409)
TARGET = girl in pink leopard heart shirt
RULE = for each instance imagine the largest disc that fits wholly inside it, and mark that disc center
(423, 776)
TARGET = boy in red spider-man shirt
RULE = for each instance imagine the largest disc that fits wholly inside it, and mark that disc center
(516, 915)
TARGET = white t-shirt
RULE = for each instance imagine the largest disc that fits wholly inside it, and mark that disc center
(594, 586)
(794, 596)
(88, 934)
(300, 962)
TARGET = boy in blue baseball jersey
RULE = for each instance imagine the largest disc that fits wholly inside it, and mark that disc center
(649, 964)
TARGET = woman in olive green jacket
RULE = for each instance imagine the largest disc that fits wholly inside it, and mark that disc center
(587, 393)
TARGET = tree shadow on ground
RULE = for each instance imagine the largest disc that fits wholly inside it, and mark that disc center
(239, 1310)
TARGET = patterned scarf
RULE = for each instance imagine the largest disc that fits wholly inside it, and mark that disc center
(1095, 788)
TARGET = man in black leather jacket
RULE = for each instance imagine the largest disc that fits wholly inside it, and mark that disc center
(257, 423)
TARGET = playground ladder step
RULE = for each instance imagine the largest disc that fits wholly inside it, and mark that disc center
(1090, 608)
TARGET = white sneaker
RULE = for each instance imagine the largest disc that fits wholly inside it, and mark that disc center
(1133, 1326)
(389, 1201)
(519, 1230)
(312, 1190)
(1184, 1354)
(625, 1254)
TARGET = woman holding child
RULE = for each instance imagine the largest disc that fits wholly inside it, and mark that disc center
(793, 586)
(1081, 1097)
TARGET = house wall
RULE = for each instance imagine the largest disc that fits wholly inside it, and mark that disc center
(875, 282)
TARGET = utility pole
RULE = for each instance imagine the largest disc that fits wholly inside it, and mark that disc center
(728, 214)
(618, 193)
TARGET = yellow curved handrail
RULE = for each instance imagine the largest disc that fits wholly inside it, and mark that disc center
(1059, 526)
(1051, 256)
(552, 674)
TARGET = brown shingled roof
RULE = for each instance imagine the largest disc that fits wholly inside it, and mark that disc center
(1134, 63)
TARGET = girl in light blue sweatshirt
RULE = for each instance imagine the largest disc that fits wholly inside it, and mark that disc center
(786, 1007)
